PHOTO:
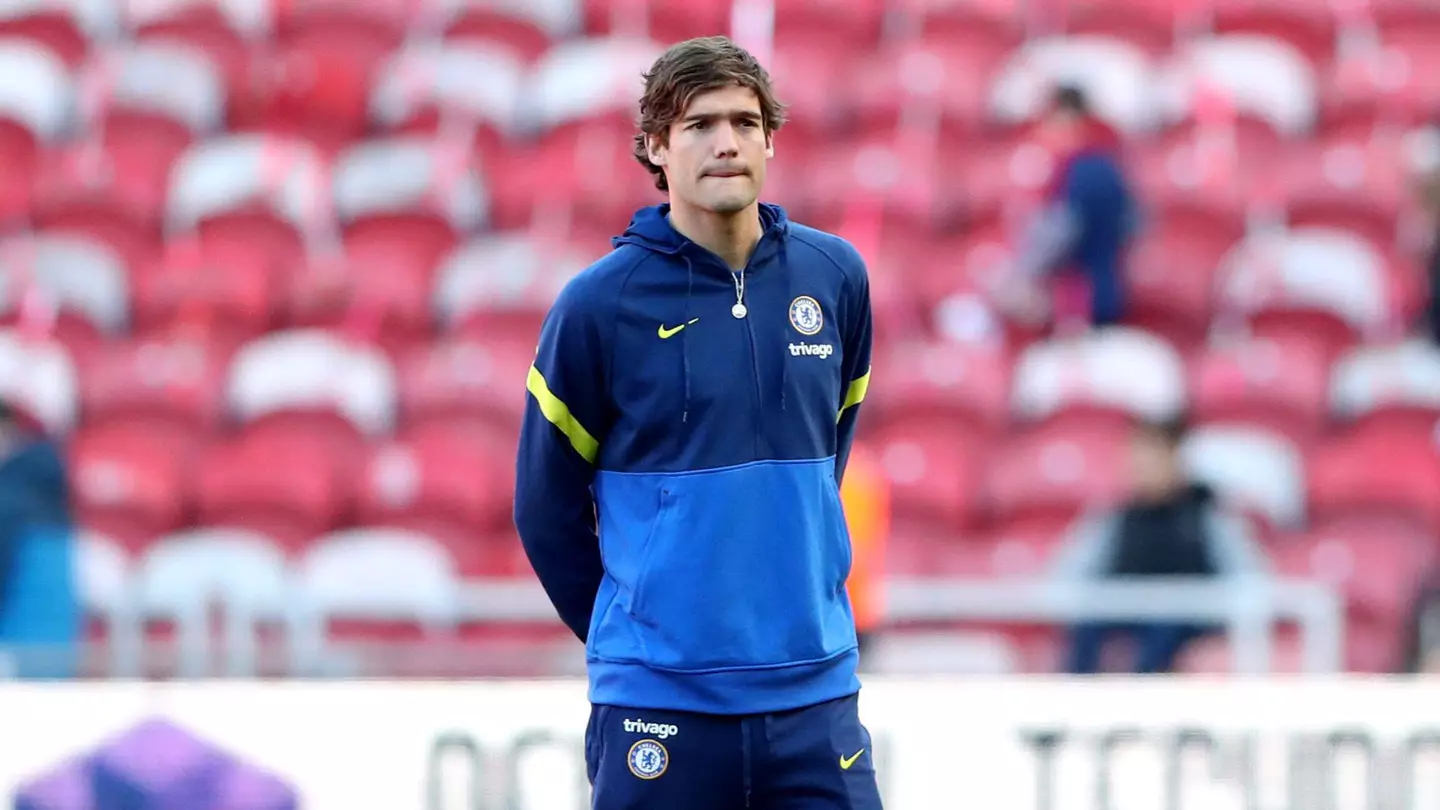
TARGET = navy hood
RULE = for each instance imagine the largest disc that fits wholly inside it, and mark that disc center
(651, 230)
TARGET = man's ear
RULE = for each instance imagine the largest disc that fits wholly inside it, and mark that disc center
(769, 144)
(656, 150)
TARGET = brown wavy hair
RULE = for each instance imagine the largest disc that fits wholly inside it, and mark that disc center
(685, 71)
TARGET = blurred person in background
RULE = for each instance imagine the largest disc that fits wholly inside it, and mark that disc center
(39, 607)
(1170, 527)
(1427, 191)
(1422, 632)
(865, 494)
(1076, 247)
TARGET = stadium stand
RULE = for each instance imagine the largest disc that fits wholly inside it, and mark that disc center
(289, 258)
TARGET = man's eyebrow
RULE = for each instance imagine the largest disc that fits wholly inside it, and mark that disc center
(751, 115)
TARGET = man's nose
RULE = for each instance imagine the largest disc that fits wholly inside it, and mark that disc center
(726, 143)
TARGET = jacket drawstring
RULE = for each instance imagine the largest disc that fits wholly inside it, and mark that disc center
(685, 338)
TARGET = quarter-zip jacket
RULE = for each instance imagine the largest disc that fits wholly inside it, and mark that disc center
(677, 480)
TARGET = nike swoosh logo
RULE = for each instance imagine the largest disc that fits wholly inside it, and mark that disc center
(669, 333)
(845, 762)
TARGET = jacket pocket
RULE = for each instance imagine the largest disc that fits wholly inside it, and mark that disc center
(659, 531)
(738, 568)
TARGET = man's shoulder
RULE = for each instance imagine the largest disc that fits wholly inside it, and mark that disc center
(597, 286)
(838, 250)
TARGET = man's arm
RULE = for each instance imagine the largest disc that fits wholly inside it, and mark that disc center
(1088, 546)
(1236, 552)
(565, 420)
(855, 364)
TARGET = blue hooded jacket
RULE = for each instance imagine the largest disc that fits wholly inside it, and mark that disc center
(678, 473)
(40, 614)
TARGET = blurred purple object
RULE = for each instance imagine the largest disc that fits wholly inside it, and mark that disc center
(66, 788)
(157, 767)
(245, 787)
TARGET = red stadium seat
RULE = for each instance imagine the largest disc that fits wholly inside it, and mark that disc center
(258, 194)
(1378, 563)
(1308, 25)
(238, 571)
(1255, 472)
(1041, 479)
(1395, 388)
(1261, 79)
(1309, 284)
(475, 385)
(964, 385)
(504, 281)
(848, 25)
(1172, 270)
(1152, 25)
(38, 377)
(129, 485)
(1279, 386)
(221, 290)
(934, 471)
(525, 29)
(73, 286)
(433, 92)
(111, 197)
(1120, 373)
(950, 76)
(138, 130)
(317, 79)
(64, 27)
(36, 95)
(372, 585)
(172, 391)
(314, 382)
(1359, 186)
(241, 484)
(660, 20)
(1377, 472)
(438, 484)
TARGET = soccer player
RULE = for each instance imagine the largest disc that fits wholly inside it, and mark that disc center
(690, 410)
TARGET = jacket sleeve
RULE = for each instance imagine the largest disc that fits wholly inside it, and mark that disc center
(855, 365)
(1236, 552)
(565, 420)
(1087, 550)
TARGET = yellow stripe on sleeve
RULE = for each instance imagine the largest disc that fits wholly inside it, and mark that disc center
(855, 394)
(558, 413)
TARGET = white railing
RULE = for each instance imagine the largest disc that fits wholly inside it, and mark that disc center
(1247, 611)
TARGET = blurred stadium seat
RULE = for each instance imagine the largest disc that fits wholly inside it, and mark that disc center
(293, 258)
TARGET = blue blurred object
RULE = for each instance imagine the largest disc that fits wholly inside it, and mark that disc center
(40, 616)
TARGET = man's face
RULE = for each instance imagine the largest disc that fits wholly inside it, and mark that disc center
(715, 157)
(1155, 465)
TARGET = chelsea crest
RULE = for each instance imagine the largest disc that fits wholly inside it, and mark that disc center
(805, 315)
(648, 759)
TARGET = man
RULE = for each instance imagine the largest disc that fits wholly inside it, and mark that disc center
(691, 408)
(1171, 527)
(39, 608)
(1088, 216)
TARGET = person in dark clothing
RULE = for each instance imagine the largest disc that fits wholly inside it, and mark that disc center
(1080, 239)
(1171, 527)
(39, 606)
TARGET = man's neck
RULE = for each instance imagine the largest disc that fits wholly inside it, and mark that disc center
(732, 237)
